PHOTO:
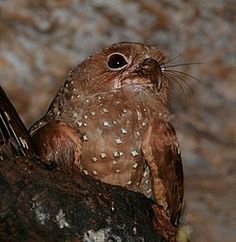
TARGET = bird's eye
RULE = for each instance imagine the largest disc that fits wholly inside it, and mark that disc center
(116, 61)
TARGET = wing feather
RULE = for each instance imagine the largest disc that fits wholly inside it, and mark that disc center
(14, 136)
(58, 142)
(162, 153)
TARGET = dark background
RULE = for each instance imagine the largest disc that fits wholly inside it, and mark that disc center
(41, 40)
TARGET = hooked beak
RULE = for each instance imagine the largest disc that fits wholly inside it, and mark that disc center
(151, 68)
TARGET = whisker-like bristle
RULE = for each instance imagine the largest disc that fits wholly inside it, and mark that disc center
(177, 76)
(172, 59)
(183, 73)
(169, 77)
(184, 64)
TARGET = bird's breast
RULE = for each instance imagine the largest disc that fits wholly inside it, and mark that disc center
(111, 133)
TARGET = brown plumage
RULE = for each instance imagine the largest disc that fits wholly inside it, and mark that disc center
(113, 112)
(15, 139)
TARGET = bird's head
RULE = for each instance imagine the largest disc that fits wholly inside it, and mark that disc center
(127, 67)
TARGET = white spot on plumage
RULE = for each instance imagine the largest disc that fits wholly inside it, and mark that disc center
(93, 113)
(129, 182)
(105, 110)
(75, 115)
(103, 155)
(106, 124)
(134, 153)
(94, 159)
(139, 115)
(85, 137)
(116, 154)
(95, 173)
(85, 172)
(149, 191)
(118, 141)
(79, 123)
(121, 153)
(145, 174)
(123, 131)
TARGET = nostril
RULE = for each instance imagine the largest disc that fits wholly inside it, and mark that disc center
(148, 62)
(149, 66)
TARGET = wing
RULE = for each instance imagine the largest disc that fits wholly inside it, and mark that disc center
(57, 142)
(14, 137)
(161, 150)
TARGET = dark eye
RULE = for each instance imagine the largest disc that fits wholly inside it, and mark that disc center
(116, 61)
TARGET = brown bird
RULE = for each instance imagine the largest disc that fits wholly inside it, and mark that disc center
(111, 120)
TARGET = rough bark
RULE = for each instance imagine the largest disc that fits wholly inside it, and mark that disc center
(41, 203)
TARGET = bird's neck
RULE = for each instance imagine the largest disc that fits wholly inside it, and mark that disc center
(147, 104)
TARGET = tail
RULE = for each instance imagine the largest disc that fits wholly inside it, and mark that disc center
(15, 139)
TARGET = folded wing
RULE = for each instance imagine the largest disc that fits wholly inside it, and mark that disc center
(162, 153)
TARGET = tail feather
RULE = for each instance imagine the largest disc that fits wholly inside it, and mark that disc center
(15, 139)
